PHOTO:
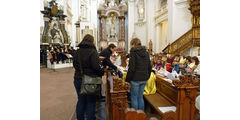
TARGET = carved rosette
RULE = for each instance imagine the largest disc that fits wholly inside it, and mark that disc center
(118, 85)
(187, 81)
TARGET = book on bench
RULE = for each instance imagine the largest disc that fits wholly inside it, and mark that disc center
(166, 109)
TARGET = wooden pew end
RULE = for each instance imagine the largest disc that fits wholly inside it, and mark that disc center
(132, 114)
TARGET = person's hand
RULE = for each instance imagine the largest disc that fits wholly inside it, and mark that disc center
(118, 69)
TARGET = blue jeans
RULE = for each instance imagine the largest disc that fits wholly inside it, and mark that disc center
(85, 103)
(100, 111)
(136, 92)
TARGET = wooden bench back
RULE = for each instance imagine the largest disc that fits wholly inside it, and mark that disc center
(167, 90)
(132, 114)
(182, 93)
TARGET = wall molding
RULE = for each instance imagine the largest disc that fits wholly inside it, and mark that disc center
(182, 3)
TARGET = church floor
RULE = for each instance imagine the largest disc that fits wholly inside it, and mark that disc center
(58, 96)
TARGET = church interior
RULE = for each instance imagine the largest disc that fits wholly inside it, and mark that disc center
(170, 31)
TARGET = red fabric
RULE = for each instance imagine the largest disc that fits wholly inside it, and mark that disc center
(51, 60)
(171, 61)
(168, 67)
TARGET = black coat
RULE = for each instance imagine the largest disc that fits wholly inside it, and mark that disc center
(107, 62)
(139, 65)
(87, 58)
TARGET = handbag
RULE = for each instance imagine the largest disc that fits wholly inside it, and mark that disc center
(91, 85)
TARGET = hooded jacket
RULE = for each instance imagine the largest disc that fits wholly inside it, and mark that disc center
(139, 65)
(87, 58)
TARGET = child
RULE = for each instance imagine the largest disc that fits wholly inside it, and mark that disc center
(176, 62)
(190, 68)
(181, 70)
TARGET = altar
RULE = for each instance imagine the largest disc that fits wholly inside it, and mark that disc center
(53, 34)
(112, 23)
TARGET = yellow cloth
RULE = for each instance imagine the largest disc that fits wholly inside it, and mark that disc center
(150, 87)
(124, 77)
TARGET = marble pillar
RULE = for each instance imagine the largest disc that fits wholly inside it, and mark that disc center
(103, 39)
(62, 23)
(46, 30)
(77, 32)
(122, 33)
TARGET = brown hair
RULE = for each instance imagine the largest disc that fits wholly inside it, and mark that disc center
(88, 39)
(135, 42)
(189, 59)
(196, 60)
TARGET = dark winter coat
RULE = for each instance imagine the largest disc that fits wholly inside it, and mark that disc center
(139, 65)
(87, 58)
(107, 62)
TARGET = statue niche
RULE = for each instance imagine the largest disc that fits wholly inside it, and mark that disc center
(55, 32)
(54, 24)
(113, 29)
(140, 6)
(112, 23)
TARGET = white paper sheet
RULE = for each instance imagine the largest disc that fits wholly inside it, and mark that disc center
(168, 80)
(166, 109)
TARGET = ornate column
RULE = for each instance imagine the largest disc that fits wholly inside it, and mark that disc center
(103, 39)
(122, 32)
(45, 31)
(195, 10)
(77, 32)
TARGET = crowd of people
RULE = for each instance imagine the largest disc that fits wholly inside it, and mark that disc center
(180, 64)
(140, 66)
(58, 54)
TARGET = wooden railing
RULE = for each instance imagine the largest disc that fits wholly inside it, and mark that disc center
(190, 38)
(181, 44)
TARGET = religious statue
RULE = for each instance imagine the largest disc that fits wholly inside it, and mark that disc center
(112, 27)
(150, 47)
(123, 2)
(112, 4)
(46, 4)
(112, 31)
(57, 38)
(140, 6)
(54, 30)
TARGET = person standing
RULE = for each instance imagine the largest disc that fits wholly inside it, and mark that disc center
(107, 53)
(139, 72)
(86, 57)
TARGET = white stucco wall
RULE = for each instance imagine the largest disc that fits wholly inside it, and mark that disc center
(146, 30)
(75, 12)
(179, 19)
(150, 21)
(41, 15)
(131, 19)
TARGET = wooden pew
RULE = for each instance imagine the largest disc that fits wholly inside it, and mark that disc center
(116, 100)
(180, 93)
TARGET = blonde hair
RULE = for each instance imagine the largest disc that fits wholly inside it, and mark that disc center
(135, 42)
